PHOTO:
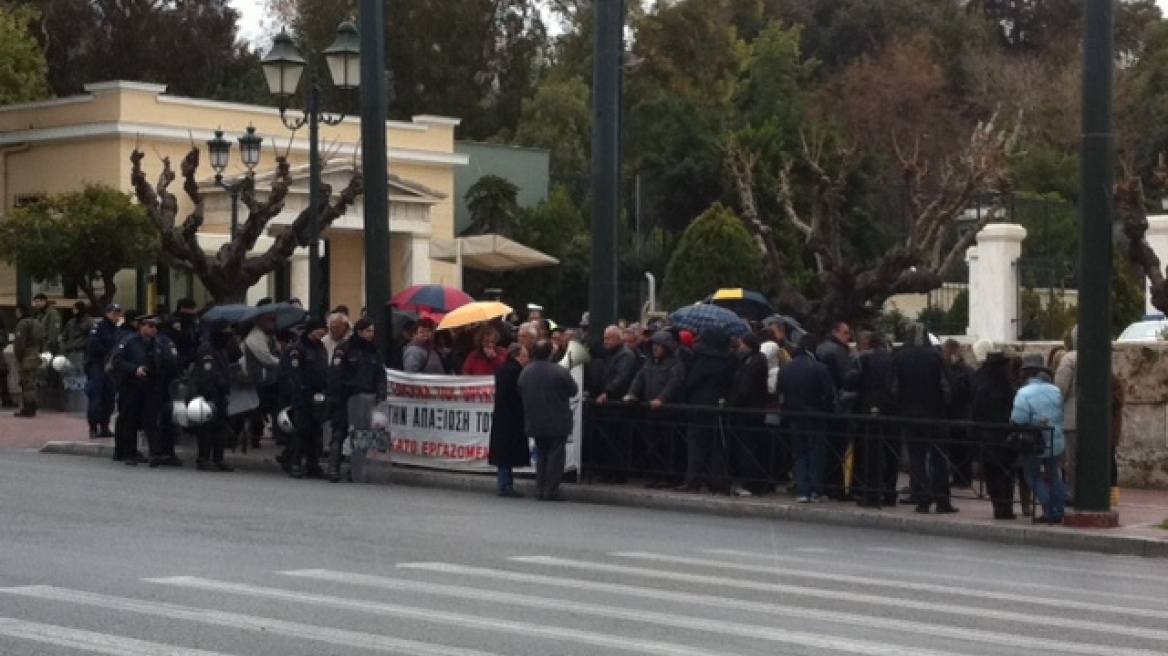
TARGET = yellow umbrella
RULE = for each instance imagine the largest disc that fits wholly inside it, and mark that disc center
(476, 312)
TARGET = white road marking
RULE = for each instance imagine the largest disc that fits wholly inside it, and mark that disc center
(91, 641)
(810, 614)
(685, 622)
(1049, 620)
(428, 615)
(266, 625)
(943, 577)
(948, 590)
(1084, 569)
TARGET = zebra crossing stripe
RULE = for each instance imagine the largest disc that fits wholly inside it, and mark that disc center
(90, 641)
(685, 622)
(497, 625)
(811, 614)
(1049, 620)
(341, 637)
(1083, 569)
(1052, 602)
(1061, 589)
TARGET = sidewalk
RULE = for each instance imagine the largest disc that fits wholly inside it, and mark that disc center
(1140, 511)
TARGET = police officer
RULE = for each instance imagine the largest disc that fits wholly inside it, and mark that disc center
(142, 364)
(50, 319)
(212, 381)
(166, 428)
(183, 329)
(27, 346)
(304, 376)
(99, 389)
(355, 369)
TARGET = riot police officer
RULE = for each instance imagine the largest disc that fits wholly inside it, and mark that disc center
(355, 369)
(142, 364)
(211, 379)
(183, 329)
(304, 378)
(99, 389)
(27, 346)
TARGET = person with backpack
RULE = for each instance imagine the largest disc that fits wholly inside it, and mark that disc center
(27, 346)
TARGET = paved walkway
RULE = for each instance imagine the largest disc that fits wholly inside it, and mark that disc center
(1140, 511)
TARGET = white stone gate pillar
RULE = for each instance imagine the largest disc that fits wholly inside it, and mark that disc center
(993, 289)
(971, 263)
(1157, 236)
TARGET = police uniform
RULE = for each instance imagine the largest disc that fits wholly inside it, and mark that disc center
(355, 369)
(141, 398)
(27, 346)
(99, 389)
(303, 375)
(211, 379)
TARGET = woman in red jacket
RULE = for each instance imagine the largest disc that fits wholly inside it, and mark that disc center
(487, 357)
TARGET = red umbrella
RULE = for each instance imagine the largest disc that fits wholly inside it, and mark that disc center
(430, 300)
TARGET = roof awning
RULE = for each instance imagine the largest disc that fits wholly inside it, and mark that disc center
(489, 253)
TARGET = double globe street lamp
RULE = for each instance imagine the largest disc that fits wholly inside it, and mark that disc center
(283, 68)
(249, 152)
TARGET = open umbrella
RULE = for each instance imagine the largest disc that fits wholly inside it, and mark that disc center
(431, 300)
(471, 313)
(751, 305)
(702, 316)
(287, 315)
(401, 318)
(795, 332)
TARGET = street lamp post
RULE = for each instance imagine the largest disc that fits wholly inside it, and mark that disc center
(283, 67)
(249, 152)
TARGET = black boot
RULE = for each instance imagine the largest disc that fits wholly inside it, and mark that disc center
(105, 431)
(334, 466)
(29, 410)
(93, 431)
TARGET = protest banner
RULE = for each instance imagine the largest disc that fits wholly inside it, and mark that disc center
(444, 422)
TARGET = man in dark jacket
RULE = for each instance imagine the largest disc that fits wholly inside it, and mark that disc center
(961, 450)
(659, 382)
(304, 378)
(99, 389)
(834, 353)
(547, 390)
(807, 391)
(143, 364)
(923, 396)
(614, 432)
(992, 401)
(708, 384)
(877, 461)
(748, 440)
(183, 329)
(355, 369)
(211, 379)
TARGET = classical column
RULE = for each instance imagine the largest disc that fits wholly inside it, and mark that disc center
(993, 289)
(298, 275)
(1157, 236)
(419, 273)
(262, 288)
(971, 262)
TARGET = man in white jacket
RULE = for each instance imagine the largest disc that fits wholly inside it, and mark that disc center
(263, 363)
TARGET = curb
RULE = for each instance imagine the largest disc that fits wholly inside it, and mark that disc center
(1023, 535)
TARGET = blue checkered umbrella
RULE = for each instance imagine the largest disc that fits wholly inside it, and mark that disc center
(697, 318)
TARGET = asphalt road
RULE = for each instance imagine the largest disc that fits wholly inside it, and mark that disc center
(99, 558)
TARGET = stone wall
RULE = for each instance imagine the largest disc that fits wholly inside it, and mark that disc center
(1143, 450)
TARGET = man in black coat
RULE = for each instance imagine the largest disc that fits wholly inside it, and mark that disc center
(355, 369)
(183, 329)
(992, 402)
(961, 450)
(547, 390)
(878, 446)
(835, 353)
(304, 378)
(660, 382)
(99, 389)
(211, 379)
(508, 429)
(708, 384)
(749, 446)
(613, 434)
(143, 365)
(923, 397)
(807, 392)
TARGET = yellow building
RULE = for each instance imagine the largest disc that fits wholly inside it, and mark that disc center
(55, 146)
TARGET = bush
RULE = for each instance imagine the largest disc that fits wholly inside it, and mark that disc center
(715, 251)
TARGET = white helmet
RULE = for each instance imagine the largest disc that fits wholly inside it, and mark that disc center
(60, 363)
(284, 421)
(46, 358)
(199, 411)
(178, 410)
(380, 420)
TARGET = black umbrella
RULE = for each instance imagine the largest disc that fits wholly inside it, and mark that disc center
(287, 315)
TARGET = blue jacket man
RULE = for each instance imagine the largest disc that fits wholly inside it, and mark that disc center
(807, 390)
(144, 364)
(99, 390)
(1040, 404)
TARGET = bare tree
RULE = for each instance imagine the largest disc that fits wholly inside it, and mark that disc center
(938, 193)
(234, 268)
(1131, 210)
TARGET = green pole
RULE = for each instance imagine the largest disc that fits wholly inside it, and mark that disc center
(317, 296)
(602, 292)
(374, 154)
(1093, 498)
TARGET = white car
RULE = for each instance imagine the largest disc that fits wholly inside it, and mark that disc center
(1144, 331)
